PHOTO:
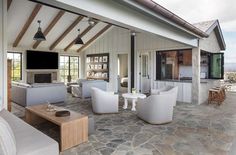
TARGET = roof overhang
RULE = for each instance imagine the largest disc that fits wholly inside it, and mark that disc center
(153, 9)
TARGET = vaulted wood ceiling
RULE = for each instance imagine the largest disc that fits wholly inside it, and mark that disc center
(59, 27)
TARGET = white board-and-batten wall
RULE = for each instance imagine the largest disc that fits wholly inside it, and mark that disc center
(118, 41)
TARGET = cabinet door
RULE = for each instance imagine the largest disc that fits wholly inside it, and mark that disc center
(180, 91)
(161, 84)
(170, 83)
(187, 58)
(187, 92)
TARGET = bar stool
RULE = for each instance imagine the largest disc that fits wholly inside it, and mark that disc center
(216, 95)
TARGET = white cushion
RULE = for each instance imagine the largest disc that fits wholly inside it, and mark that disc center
(7, 139)
(155, 91)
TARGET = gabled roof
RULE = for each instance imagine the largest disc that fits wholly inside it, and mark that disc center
(208, 27)
(158, 9)
(205, 25)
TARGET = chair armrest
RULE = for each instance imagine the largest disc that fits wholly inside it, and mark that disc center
(110, 92)
(141, 103)
(155, 91)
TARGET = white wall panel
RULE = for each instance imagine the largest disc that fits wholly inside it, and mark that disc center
(17, 15)
(117, 40)
(3, 57)
(114, 41)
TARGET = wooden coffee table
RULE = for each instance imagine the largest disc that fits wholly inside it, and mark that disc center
(73, 128)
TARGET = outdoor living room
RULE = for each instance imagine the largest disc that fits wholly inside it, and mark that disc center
(125, 77)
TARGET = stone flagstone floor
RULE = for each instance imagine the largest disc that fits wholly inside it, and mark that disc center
(196, 129)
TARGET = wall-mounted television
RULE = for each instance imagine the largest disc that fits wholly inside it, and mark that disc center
(41, 60)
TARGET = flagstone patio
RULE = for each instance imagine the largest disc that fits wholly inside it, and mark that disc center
(196, 129)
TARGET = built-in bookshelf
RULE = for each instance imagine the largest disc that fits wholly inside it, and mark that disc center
(98, 66)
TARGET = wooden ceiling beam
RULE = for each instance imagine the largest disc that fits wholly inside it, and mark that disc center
(62, 36)
(81, 35)
(94, 37)
(8, 4)
(50, 26)
(27, 24)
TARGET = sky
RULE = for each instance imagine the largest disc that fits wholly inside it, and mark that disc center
(195, 11)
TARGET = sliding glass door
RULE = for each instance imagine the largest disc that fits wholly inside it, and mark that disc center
(69, 68)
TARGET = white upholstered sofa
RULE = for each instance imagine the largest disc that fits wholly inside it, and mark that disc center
(26, 95)
(26, 140)
(83, 88)
(104, 102)
(157, 109)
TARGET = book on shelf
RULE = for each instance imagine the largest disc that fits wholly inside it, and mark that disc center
(104, 66)
(99, 66)
(104, 58)
(100, 59)
(91, 59)
(95, 59)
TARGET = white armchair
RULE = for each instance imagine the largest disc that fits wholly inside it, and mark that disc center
(156, 109)
(165, 90)
(104, 102)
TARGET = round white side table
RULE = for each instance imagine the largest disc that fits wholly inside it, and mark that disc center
(133, 97)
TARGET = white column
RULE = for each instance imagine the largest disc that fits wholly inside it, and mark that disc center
(82, 65)
(196, 75)
(3, 57)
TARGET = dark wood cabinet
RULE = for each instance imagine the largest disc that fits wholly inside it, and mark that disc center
(187, 58)
(9, 65)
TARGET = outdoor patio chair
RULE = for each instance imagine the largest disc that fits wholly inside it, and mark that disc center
(166, 89)
(216, 94)
(104, 102)
(157, 109)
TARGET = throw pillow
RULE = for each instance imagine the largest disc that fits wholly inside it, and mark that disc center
(7, 139)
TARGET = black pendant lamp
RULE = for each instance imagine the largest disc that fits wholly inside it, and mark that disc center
(78, 40)
(39, 36)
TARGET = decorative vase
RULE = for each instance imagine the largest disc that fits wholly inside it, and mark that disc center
(133, 91)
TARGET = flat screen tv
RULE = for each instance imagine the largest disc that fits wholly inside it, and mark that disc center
(41, 60)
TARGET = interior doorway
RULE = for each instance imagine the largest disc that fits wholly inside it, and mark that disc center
(144, 73)
(122, 73)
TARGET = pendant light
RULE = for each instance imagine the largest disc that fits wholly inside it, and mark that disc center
(39, 36)
(78, 40)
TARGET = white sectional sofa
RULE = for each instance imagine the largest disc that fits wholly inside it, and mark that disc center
(26, 95)
(28, 140)
(83, 88)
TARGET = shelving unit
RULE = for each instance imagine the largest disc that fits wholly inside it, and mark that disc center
(204, 59)
(98, 66)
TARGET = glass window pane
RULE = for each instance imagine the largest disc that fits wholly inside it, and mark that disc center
(69, 66)
(216, 66)
(10, 56)
(16, 65)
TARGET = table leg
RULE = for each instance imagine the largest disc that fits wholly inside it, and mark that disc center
(32, 118)
(133, 105)
(73, 133)
(125, 103)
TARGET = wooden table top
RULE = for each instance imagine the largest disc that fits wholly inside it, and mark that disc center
(41, 110)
